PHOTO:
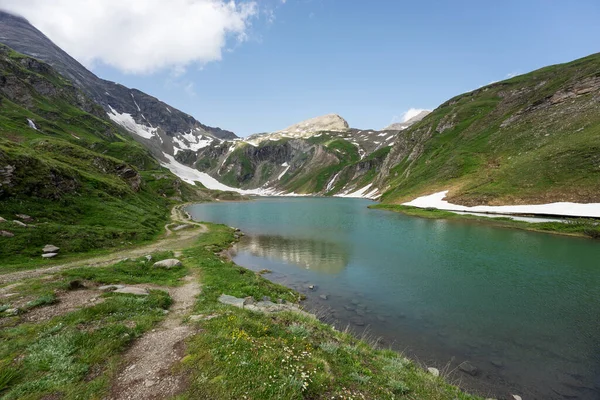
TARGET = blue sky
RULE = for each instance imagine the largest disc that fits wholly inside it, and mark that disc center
(369, 61)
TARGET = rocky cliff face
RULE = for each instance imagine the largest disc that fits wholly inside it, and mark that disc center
(159, 126)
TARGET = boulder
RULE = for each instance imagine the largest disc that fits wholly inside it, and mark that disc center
(110, 288)
(433, 371)
(168, 264)
(468, 368)
(49, 255)
(24, 217)
(231, 300)
(49, 248)
(6, 234)
(19, 223)
(132, 290)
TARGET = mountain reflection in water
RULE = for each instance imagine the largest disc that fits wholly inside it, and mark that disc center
(318, 255)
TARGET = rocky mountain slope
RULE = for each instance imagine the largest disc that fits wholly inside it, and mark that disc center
(318, 156)
(531, 139)
(157, 125)
(68, 175)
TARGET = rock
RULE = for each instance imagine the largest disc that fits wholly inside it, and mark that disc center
(516, 397)
(49, 255)
(6, 234)
(132, 290)
(266, 298)
(168, 264)
(434, 371)
(280, 301)
(110, 288)
(196, 318)
(249, 300)
(360, 312)
(312, 287)
(350, 308)
(468, 368)
(2, 219)
(24, 217)
(231, 300)
(11, 311)
(358, 321)
(49, 248)
(324, 296)
(148, 258)
(497, 363)
(19, 223)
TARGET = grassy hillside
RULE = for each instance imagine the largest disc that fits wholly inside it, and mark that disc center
(85, 184)
(534, 138)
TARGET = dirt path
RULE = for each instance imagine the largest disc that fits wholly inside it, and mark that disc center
(147, 367)
(172, 241)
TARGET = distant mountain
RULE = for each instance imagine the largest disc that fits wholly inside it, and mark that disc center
(160, 127)
(399, 126)
(304, 129)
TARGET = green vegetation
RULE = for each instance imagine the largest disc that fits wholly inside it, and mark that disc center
(534, 138)
(572, 227)
(75, 355)
(87, 185)
(241, 354)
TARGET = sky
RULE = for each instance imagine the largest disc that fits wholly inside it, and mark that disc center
(260, 66)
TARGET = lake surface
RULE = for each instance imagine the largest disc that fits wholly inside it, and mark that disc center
(522, 307)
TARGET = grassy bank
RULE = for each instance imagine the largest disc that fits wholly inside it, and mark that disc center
(573, 227)
(245, 355)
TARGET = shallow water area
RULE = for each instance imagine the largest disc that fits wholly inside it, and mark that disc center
(522, 307)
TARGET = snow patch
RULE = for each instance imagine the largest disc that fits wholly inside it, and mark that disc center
(31, 124)
(332, 182)
(127, 122)
(360, 193)
(190, 175)
(287, 167)
(565, 209)
(135, 102)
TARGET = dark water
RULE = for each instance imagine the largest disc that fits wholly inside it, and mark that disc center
(522, 307)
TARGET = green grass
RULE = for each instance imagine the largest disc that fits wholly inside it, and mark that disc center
(547, 153)
(133, 271)
(241, 354)
(75, 355)
(572, 227)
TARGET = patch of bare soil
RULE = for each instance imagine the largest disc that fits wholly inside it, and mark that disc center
(147, 371)
(67, 302)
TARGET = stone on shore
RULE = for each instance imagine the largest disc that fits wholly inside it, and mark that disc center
(168, 264)
(468, 368)
(2, 219)
(49, 248)
(434, 371)
(261, 306)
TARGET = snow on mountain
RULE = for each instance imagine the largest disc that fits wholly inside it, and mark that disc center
(127, 122)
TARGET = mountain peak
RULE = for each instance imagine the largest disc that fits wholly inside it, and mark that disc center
(398, 126)
(329, 122)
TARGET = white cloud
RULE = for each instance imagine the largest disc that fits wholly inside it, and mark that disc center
(140, 36)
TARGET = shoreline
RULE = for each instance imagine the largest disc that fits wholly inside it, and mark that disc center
(573, 227)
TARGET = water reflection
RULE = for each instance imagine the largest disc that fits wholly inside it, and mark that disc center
(318, 255)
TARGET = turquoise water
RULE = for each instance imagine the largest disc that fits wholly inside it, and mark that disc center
(522, 307)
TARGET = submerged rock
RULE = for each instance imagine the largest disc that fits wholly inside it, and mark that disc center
(324, 296)
(468, 368)
(168, 264)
